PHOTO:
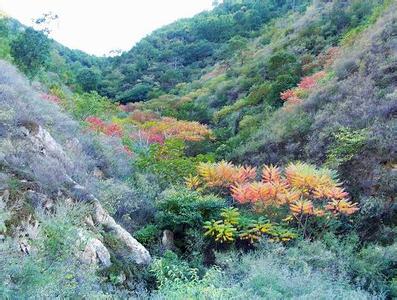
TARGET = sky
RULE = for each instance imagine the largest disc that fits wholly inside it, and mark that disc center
(99, 26)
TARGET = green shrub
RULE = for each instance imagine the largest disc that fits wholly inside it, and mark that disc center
(147, 235)
(169, 162)
(347, 144)
(182, 209)
(91, 104)
(271, 273)
(171, 270)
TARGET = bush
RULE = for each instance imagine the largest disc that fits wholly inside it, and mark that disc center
(91, 104)
(171, 270)
(271, 273)
(347, 144)
(169, 162)
(31, 50)
(147, 235)
(182, 210)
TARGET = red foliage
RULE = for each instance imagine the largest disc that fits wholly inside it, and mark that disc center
(148, 137)
(173, 128)
(310, 82)
(292, 96)
(95, 123)
(113, 130)
(51, 98)
(98, 125)
(307, 83)
(287, 95)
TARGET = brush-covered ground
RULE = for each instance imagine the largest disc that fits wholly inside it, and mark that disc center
(249, 152)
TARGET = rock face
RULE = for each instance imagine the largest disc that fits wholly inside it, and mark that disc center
(167, 240)
(94, 251)
(30, 147)
(135, 250)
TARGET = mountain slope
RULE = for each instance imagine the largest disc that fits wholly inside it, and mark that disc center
(260, 163)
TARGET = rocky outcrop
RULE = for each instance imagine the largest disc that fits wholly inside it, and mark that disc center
(94, 251)
(30, 147)
(167, 240)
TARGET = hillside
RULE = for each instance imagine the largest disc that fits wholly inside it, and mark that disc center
(248, 152)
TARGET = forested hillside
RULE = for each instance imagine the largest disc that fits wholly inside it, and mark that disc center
(248, 152)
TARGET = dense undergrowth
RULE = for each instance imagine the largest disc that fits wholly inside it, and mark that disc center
(262, 163)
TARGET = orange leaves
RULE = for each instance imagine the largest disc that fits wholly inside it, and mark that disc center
(224, 174)
(342, 206)
(271, 174)
(294, 96)
(241, 193)
(267, 193)
(302, 207)
(310, 181)
(173, 128)
(302, 188)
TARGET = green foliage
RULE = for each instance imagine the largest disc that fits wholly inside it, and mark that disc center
(245, 227)
(180, 210)
(272, 272)
(220, 230)
(169, 162)
(347, 144)
(282, 63)
(178, 52)
(368, 19)
(171, 270)
(5, 215)
(228, 65)
(30, 50)
(137, 93)
(147, 235)
(4, 39)
(91, 104)
(89, 79)
(51, 262)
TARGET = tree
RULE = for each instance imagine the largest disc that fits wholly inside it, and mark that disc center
(89, 79)
(4, 39)
(30, 51)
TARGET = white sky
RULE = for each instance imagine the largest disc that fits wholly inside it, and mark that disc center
(99, 26)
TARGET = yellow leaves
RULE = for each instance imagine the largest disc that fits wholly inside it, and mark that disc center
(173, 128)
(271, 174)
(297, 186)
(192, 182)
(230, 215)
(220, 231)
(224, 174)
(302, 207)
(304, 190)
(309, 180)
(254, 231)
(343, 207)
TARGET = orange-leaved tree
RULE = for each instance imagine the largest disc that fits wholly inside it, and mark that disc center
(173, 128)
(224, 174)
(301, 191)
